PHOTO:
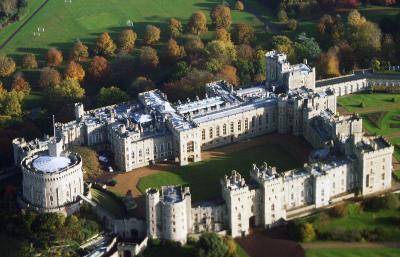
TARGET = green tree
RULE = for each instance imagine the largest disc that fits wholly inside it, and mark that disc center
(243, 34)
(307, 232)
(197, 23)
(67, 91)
(283, 44)
(222, 34)
(239, 6)
(10, 104)
(79, 51)
(111, 95)
(282, 16)
(213, 65)
(105, 45)
(221, 16)
(181, 70)
(306, 47)
(291, 24)
(211, 245)
(225, 52)
(174, 28)
(151, 35)
(126, 40)
(91, 165)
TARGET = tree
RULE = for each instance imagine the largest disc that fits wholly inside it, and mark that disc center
(10, 104)
(222, 35)
(49, 77)
(68, 91)
(197, 23)
(91, 165)
(239, 6)
(194, 45)
(141, 84)
(54, 57)
(213, 65)
(291, 24)
(244, 52)
(151, 35)
(180, 71)
(355, 19)
(375, 64)
(346, 57)
(330, 30)
(126, 40)
(221, 16)
(225, 52)
(7, 65)
(111, 95)
(21, 86)
(9, 7)
(211, 245)
(29, 61)
(283, 44)
(307, 232)
(174, 51)
(282, 16)
(74, 71)
(243, 33)
(340, 211)
(98, 68)
(245, 70)
(174, 28)
(78, 51)
(105, 45)
(306, 47)
(228, 73)
(328, 64)
(148, 57)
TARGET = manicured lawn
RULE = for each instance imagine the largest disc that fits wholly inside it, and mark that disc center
(371, 252)
(360, 220)
(203, 177)
(377, 103)
(108, 203)
(64, 23)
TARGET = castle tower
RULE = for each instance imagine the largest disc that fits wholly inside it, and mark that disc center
(282, 114)
(153, 213)
(239, 202)
(79, 111)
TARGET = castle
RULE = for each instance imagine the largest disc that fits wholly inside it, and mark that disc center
(291, 101)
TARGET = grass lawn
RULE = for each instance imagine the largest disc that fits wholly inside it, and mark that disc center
(203, 177)
(86, 19)
(371, 252)
(107, 202)
(361, 220)
(373, 103)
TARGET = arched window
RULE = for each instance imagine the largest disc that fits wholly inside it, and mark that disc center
(211, 133)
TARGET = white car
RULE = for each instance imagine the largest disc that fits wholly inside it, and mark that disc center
(110, 169)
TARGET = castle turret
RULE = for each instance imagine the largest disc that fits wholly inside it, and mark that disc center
(79, 111)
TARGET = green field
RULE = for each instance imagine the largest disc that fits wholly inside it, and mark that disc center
(203, 177)
(360, 220)
(86, 19)
(389, 125)
(370, 252)
(107, 202)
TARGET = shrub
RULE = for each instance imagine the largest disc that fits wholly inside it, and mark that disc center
(362, 105)
(282, 16)
(391, 202)
(339, 211)
(292, 24)
(394, 100)
(307, 232)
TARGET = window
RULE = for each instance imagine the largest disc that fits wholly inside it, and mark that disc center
(211, 133)
(224, 129)
(190, 146)
(232, 127)
(253, 121)
(147, 151)
(246, 124)
(239, 125)
(273, 207)
(367, 181)
(383, 176)
(260, 121)
(140, 153)
(203, 134)
(217, 131)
